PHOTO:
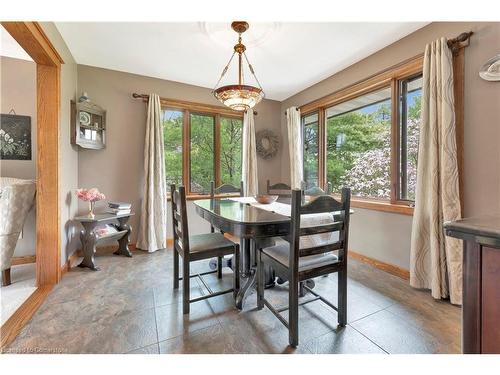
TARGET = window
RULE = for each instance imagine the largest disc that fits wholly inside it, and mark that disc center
(202, 144)
(366, 137)
(310, 132)
(201, 152)
(410, 100)
(358, 138)
(172, 139)
(231, 132)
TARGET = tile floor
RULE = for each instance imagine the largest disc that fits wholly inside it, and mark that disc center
(129, 307)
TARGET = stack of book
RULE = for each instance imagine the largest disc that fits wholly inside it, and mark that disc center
(119, 208)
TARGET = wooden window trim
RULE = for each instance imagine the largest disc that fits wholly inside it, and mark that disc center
(388, 78)
(187, 109)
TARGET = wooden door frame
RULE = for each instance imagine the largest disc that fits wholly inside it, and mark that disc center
(35, 42)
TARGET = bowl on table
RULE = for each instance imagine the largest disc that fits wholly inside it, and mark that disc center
(265, 198)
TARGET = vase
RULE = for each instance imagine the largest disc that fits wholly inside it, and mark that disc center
(91, 209)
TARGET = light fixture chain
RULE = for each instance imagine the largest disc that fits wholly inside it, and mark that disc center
(251, 70)
(224, 71)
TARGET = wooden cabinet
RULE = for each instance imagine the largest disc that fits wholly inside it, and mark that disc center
(481, 282)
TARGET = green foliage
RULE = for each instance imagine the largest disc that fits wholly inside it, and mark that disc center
(202, 150)
(172, 140)
(231, 132)
(351, 134)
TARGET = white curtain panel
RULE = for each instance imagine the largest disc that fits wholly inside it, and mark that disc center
(152, 234)
(295, 146)
(436, 260)
(249, 164)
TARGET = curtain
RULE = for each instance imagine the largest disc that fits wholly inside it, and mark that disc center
(295, 146)
(249, 163)
(435, 259)
(152, 234)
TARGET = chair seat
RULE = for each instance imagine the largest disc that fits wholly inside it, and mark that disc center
(210, 243)
(281, 253)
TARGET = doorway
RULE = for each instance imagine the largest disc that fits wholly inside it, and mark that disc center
(31, 37)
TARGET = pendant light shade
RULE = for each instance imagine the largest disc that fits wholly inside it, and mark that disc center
(239, 97)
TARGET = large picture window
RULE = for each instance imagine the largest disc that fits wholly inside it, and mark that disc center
(366, 137)
(358, 138)
(202, 147)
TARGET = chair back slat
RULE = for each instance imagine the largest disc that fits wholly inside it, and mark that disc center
(280, 188)
(322, 229)
(179, 219)
(320, 205)
(321, 249)
(323, 203)
(225, 189)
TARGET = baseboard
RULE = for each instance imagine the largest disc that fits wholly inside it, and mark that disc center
(386, 267)
(11, 328)
(16, 261)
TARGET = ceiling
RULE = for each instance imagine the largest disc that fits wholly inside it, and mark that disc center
(10, 48)
(287, 57)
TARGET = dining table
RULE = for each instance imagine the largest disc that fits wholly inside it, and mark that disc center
(256, 225)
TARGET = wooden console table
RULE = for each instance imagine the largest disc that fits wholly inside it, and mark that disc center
(90, 239)
(481, 282)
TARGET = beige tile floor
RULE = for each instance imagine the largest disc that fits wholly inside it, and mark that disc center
(130, 307)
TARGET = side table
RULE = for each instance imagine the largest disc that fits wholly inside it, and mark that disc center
(90, 239)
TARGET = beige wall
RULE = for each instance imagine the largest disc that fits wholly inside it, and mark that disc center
(386, 236)
(117, 170)
(18, 92)
(68, 154)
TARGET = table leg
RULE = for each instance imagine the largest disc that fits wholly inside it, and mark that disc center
(89, 239)
(247, 271)
(125, 240)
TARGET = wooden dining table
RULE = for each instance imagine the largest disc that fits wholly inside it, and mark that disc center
(255, 227)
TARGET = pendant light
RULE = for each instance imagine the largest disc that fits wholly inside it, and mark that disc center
(239, 97)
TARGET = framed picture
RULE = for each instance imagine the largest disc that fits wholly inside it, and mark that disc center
(15, 137)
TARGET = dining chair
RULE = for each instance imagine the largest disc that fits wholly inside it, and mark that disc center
(298, 264)
(223, 189)
(280, 188)
(197, 247)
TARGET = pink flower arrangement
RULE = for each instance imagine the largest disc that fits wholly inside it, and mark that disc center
(90, 195)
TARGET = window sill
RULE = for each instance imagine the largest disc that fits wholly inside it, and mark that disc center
(395, 208)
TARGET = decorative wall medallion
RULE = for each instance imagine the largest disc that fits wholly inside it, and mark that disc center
(268, 144)
(490, 71)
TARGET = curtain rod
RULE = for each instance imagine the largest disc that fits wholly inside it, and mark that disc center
(145, 97)
(296, 108)
(455, 44)
(459, 42)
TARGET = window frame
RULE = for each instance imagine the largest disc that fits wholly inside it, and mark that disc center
(387, 78)
(188, 108)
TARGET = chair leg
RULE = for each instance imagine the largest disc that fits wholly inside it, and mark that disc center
(260, 281)
(342, 297)
(6, 277)
(185, 286)
(293, 316)
(236, 270)
(219, 267)
(176, 269)
(302, 290)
